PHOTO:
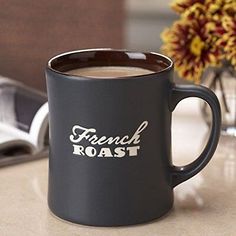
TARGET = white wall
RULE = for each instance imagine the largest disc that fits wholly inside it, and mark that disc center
(145, 21)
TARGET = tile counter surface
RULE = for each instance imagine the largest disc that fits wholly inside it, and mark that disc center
(204, 205)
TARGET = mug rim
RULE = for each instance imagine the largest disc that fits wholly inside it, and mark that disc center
(161, 56)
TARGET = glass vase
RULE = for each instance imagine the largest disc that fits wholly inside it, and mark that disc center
(222, 81)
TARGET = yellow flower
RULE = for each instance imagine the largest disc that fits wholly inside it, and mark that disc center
(229, 24)
(218, 8)
(180, 6)
(196, 46)
(191, 47)
(197, 10)
(204, 36)
(213, 8)
(229, 8)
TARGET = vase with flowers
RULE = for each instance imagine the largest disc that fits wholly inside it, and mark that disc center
(202, 44)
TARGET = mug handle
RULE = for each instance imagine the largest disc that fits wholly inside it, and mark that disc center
(180, 92)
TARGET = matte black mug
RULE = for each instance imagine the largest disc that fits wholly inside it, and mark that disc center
(110, 139)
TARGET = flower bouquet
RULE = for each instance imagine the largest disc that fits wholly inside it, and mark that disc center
(204, 40)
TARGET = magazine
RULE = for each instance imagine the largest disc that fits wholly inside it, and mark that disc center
(23, 122)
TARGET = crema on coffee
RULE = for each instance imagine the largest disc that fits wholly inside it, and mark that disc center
(103, 72)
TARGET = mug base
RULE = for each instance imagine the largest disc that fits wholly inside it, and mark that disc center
(104, 224)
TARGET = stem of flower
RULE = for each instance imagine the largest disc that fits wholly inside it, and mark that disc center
(211, 86)
(219, 78)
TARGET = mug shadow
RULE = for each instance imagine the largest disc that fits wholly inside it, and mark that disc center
(166, 215)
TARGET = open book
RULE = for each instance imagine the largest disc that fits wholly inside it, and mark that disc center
(23, 122)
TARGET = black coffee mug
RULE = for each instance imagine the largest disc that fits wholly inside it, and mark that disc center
(110, 139)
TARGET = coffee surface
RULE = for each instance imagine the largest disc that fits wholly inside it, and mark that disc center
(103, 72)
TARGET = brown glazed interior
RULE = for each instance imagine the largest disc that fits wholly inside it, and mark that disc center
(109, 57)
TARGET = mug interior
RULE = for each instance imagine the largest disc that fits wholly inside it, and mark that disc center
(109, 57)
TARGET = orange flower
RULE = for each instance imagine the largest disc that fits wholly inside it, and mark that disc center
(191, 47)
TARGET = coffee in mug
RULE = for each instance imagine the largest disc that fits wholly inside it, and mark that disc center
(103, 72)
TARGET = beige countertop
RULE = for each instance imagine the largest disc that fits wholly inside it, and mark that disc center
(204, 205)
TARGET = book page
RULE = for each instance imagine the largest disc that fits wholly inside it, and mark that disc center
(39, 127)
(13, 140)
(19, 104)
(7, 105)
(18, 108)
(27, 104)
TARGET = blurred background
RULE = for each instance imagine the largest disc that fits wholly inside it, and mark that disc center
(144, 22)
(33, 31)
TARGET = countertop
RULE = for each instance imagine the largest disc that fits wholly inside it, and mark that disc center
(204, 205)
